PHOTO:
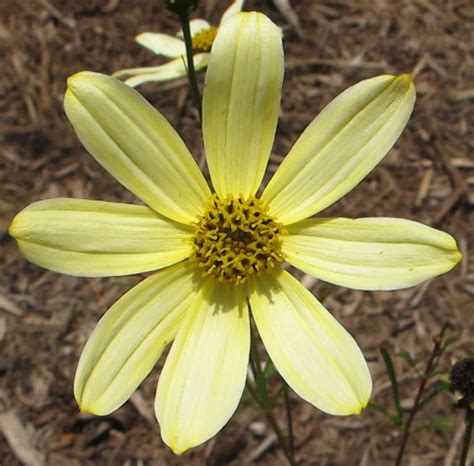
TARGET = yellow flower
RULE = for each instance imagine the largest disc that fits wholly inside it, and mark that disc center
(221, 253)
(202, 34)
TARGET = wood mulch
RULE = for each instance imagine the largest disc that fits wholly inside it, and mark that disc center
(428, 176)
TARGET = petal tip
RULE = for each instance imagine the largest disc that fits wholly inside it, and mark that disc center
(176, 443)
(362, 403)
(457, 255)
(178, 449)
(75, 81)
(75, 78)
(12, 228)
(407, 77)
(84, 408)
(93, 408)
(359, 409)
(406, 80)
(85, 403)
(405, 84)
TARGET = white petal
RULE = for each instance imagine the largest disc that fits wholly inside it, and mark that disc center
(172, 70)
(241, 102)
(340, 147)
(205, 371)
(94, 238)
(136, 144)
(162, 44)
(235, 7)
(130, 337)
(369, 253)
(318, 359)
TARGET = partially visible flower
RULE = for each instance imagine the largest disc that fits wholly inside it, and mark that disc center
(221, 250)
(203, 35)
(461, 380)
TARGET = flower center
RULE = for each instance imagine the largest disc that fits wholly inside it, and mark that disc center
(235, 239)
(203, 40)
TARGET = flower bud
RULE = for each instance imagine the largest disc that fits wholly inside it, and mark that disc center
(462, 382)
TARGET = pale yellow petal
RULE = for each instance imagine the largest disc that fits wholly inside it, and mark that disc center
(136, 144)
(340, 147)
(172, 70)
(315, 355)
(234, 8)
(241, 102)
(369, 253)
(130, 337)
(94, 238)
(162, 44)
(204, 374)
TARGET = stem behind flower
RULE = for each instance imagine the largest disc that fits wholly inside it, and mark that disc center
(184, 19)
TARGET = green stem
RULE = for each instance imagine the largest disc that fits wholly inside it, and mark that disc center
(184, 19)
(434, 357)
(261, 397)
(273, 423)
(467, 436)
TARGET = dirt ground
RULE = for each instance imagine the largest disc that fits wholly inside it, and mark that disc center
(45, 317)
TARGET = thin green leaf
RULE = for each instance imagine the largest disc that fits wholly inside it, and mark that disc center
(383, 410)
(448, 341)
(408, 357)
(247, 398)
(281, 389)
(393, 380)
(439, 423)
(269, 370)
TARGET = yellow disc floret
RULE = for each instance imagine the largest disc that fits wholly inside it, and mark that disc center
(203, 40)
(235, 239)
